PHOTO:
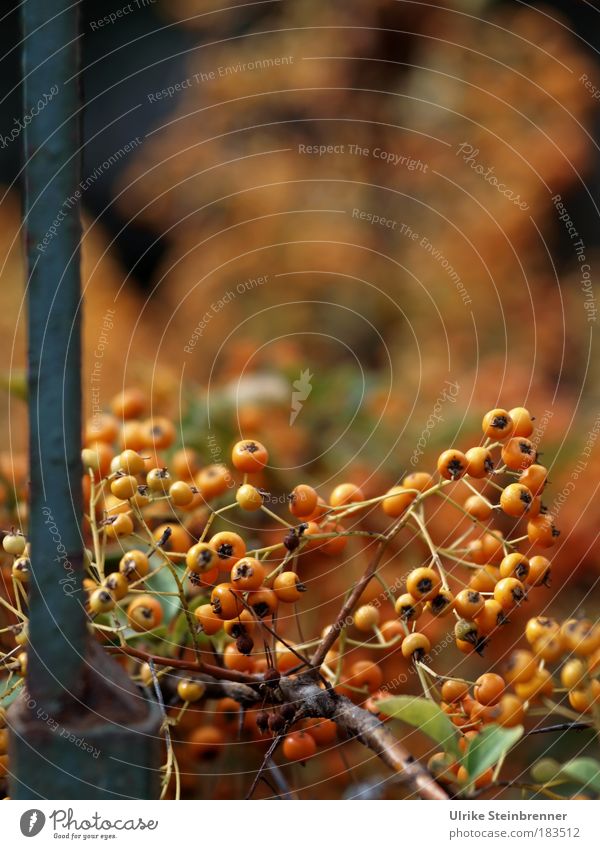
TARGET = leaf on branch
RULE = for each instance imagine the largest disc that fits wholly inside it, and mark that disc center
(488, 747)
(426, 716)
(584, 771)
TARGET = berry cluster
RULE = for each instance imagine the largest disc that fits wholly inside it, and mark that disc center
(194, 610)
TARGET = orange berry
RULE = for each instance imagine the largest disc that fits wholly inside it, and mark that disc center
(423, 583)
(303, 501)
(299, 746)
(398, 500)
(518, 453)
(346, 493)
(497, 424)
(145, 613)
(489, 688)
(247, 574)
(452, 464)
(249, 456)
(288, 587)
(366, 617)
(228, 546)
(479, 462)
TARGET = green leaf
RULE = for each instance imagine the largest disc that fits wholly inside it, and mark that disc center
(426, 716)
(585, 771)
(487, 748)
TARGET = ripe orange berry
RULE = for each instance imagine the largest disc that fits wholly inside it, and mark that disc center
(534, 478)
(497, 424)
(288, 588)
(101, 601)
(201, 557)
(540, 684)
(418, 480)
(391, 629)
(515, 500)
(213, 481)
(101, 428)
(208, 620)
(181, 494)
(491, 617)
(263, 602)
(454, 690)
(573, 673)
(441, 604)
(415, 646)
(522, 421)
(159, 480)
(511, 711)
(225, 601)
(548, 648)
(479, 462)
(249, 498)
(489, 688)
(243, 625)
(120, 525)
(134, 565)
(366, 617)
(408, 608)
(117, 585)
(469, 604)
(514, 565)
(518, 453)
(145, 613)
(493, 548)
(132, 436)
(299, 746)
(541, 626)
(365, 673)
(398, 500)
(539, 571)
(484, 580)
(206, 743)
(509, 593)
(131, 462)
(249, 456)
(185, 463)
(124, 486)
(323, 731)
(452, 464)
(542, 531)
(234, 659)
(581, 636)
(582, 700)
(228, 546)
(521, 667)
(128, 404)
(303, 501)
(247, 574)
(478, 507)
(346, 493)
(423, 583)
(159, 433)
(97, 457)
(177, 540)
(190, 691)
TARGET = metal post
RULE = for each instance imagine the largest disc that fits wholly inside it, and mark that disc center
(81, 729)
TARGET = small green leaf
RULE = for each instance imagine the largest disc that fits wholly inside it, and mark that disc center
(487, 748)
(426, 716)
(584, 771)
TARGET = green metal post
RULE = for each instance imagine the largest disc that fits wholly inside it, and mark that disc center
(81, 729)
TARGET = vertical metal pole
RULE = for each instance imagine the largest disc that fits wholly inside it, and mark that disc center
(81, 729)
(52, 177)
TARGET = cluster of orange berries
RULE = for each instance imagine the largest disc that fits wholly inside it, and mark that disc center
(158, 514)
